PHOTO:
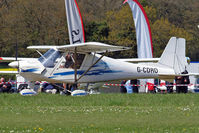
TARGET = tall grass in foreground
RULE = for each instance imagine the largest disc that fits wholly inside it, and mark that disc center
(100, 113)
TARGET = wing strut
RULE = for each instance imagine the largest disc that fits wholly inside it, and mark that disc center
(91, 66)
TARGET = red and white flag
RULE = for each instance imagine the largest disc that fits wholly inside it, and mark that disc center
(75, 23)
(143, 33)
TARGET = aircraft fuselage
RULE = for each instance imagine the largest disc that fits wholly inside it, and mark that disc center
(107, 69)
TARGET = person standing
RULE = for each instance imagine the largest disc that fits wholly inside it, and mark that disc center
(128, 86)
(134, 82)
(178, 81)
(185, 82)
(122, 87)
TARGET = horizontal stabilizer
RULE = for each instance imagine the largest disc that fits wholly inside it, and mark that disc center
(140, 60)
(9, 59)
(194, 74)
(9, 72)
(174, 75)
(84, 47)
(171, 77)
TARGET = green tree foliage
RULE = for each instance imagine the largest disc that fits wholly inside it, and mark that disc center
(183, 18)
(43, 22)
(122, 30)
(32, 23)
(162, 31)
(151, 13)
(96, 10)
(96, 31)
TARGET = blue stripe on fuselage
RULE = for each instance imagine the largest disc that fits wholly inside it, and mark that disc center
(30, 70)
(68, 73)
(89, 73)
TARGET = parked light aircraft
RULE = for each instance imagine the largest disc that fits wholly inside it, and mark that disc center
(81, 63)
(15, 71)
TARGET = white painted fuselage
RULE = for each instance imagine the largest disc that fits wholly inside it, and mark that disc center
(107, 69)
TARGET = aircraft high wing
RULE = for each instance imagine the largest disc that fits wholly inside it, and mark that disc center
(140, 60)
(84, 47)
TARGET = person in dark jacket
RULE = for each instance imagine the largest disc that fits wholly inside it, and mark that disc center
(134, 82)
(182, 80)
(122, 87)
(178, 81)
(185, 81)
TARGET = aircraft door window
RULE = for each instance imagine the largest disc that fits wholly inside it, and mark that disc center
(70, 61)
(80, 59)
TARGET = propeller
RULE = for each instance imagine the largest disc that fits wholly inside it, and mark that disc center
(15, 64)
(16, 55)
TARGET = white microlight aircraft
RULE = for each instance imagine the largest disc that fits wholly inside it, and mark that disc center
(81, 63)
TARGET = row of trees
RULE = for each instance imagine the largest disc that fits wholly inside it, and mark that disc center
(44, 22)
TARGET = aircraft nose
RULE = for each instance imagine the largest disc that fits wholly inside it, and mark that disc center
(14, 64)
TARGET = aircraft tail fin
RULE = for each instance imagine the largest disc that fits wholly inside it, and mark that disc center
(174, 55)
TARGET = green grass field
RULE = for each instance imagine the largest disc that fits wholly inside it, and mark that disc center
(104, 113)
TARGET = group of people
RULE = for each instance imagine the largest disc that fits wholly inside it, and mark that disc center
(129, 86)
(182, 82)
(53, 88)
(5, 87)
(63, 89)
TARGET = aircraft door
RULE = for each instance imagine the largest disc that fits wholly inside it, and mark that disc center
(69, 61)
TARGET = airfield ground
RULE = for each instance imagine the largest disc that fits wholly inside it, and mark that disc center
(104, 113)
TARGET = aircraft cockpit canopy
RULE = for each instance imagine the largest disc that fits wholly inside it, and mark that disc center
(49, 58)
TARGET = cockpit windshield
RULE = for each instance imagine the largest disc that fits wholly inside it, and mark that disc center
(49, 58)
